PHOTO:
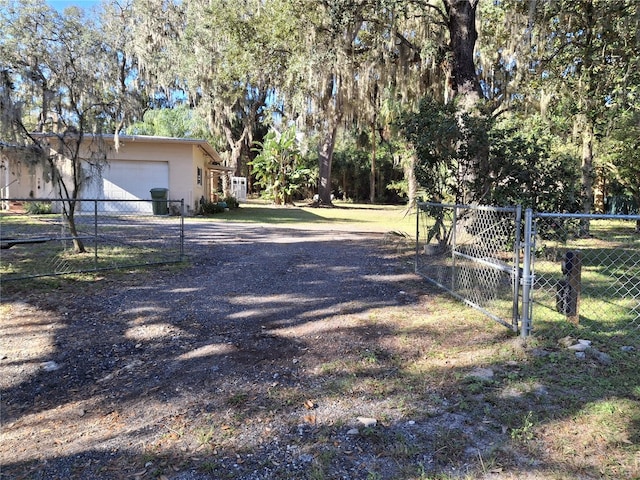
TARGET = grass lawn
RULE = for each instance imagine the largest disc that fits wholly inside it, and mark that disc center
(382, 218)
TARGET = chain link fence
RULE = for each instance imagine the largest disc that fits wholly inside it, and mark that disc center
(471, 252)
(539, 271)
(586, 272)
(36, 240)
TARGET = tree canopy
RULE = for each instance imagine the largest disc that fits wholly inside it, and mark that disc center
(477, 100)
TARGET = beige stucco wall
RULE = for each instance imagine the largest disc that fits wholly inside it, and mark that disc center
(185, 160)
(19, 179)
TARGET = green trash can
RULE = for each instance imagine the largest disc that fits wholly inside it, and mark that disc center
(159, 201)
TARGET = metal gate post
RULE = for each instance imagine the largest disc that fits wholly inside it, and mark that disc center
(454, 227)
(527, 275)
(95, 235)
(415, 260)
(182, 230)
(515, 314)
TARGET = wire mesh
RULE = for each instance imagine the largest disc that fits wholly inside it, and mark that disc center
(37, 240)
(470, 252)
(587, 274)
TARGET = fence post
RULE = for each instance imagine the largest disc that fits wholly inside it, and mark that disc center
(454, 225)
(95, 235)
(415, 260)
(182, 229)
(516, 269)
(572, 269)
(527, 275)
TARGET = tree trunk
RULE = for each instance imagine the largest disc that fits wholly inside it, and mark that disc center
(325, 155)
(69, 209)
(464, 86)
(412, 183)
(463, 80)
(325, 158)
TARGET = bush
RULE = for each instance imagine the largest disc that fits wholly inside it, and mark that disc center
(231, 202)
(210, 208)
(38, 208)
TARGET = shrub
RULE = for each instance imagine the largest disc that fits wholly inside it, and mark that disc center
(231, 202)
(38, 208)
(210, 208)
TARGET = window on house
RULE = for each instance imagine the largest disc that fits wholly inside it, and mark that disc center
(199, 176)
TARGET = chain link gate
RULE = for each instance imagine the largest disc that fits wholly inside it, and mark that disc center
(587, 273)
(473, 253)
(566, 270)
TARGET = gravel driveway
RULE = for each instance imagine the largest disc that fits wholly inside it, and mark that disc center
(197, 372)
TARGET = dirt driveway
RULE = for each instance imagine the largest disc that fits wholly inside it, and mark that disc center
(272, 355)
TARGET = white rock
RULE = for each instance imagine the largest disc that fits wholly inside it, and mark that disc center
(353, 431)
(578, 347)
(50, 366)
(368, 422)
(481, 373)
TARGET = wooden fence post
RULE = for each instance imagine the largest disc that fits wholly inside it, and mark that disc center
(572, 269)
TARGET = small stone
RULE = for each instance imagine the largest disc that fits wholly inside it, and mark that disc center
(353, 431)
(566, 341)
(600, 357)
(585, 342)
(627, 348)
(50, 366)
(580, 355)
(481, 374)
(540, 352)
(368, 422)
(578, 347)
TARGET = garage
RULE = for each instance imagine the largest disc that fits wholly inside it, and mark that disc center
(128, 180)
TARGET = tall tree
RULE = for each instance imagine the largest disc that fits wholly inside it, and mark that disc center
(586, 53)
(222, 55)
(61, 82)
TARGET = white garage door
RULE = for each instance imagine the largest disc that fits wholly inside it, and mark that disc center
(129, 180)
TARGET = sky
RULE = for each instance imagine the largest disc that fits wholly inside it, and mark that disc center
(62, 4)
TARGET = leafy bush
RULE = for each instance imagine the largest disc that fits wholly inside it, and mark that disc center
(231, 202)
(210, 208)
(39, 208)
(277, 167)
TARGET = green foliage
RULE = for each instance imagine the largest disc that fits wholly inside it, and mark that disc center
(622, 160)
(232, 202)
(210, 208)
(523, 166)
(178, 122)
(525, 169)
(277, 167)
(446, 141)
(38, 208)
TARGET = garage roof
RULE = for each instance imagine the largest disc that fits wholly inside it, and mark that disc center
(207, 149)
